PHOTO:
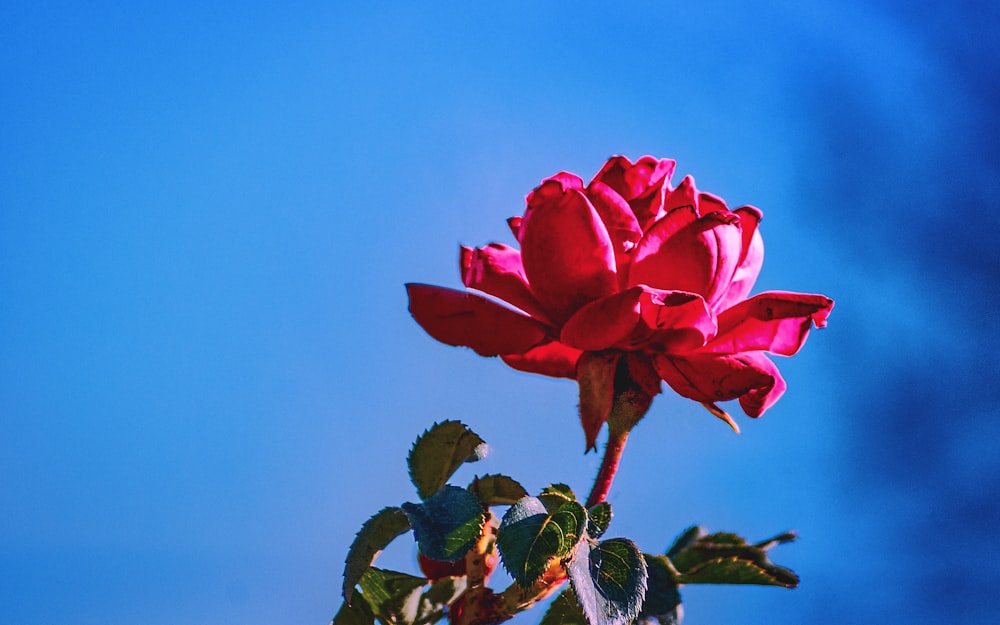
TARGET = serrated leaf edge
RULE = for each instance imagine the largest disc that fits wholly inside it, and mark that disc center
(589, 545)
(420, 508)
(528, 581)
(686, 578)
(598, 531)
(473, 488)
(422, 436)
(352, 574)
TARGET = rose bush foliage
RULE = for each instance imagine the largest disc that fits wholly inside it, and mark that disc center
(627, 274)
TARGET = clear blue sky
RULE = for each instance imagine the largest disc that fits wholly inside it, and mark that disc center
(209, 380)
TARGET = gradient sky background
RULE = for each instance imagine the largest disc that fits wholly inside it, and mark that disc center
(209, 380)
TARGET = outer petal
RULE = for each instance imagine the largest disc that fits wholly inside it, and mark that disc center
(552, 359)
(776, 321)
(746, 274)
(567, 254)
(756, 401)
(708, 378)
(682, 253)
(463, 319)
(496, 269)
(641, 317)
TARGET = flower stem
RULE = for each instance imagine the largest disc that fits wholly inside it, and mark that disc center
(609, 466)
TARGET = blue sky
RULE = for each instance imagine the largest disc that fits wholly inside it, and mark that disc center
(209, 380)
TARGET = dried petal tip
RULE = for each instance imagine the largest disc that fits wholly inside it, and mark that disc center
(481, 451)
(721, 414)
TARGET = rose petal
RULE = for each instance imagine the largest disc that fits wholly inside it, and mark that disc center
(567, 254)
(709, 378)
(681, 253)
(619, 220)
(496, 269)
(463, 319)
(776, 321)
(633, 180)
(514, 223)
(641, 317)
(679, 321)
(596, 375)
(756, 401)
(750, 217)
(552, 359)
(685, 194)
(672, 223)
(641, 184)
(603, 323)
(549, 191)
(752, 259)
(709, 203)
(565, 179)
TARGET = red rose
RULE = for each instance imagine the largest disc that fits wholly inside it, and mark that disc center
(627, 273)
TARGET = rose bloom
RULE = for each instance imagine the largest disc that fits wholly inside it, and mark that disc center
(627, 276)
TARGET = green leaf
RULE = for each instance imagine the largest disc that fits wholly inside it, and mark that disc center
(360, 613)
(686, 539)
(560, 489)
(726, 558)
(438, 453)
(598, 519)
(663, 600)
(785, 537)
(497, 490)
(434, 603)
(609, 579)
(448, 524)
(556, 495)
(529, 536)
(375, 535)
(736, 570)
(663, 619)
(394, 597)
(565, 610)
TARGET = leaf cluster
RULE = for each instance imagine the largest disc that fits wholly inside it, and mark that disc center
(607, 578)
(542, 540)
(696, 557)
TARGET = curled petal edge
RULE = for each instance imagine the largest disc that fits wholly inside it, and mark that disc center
(708, 378)
(774, 321)
(496, 270)
(552, 359)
